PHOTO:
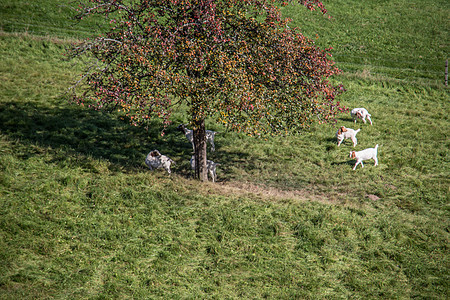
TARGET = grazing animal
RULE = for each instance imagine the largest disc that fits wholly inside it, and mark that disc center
(210, 166)
(346, 133)
(190, 136)
(361, 113)
(155, 160)
(369, 153)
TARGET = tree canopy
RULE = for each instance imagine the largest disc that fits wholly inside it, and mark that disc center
(236, 61)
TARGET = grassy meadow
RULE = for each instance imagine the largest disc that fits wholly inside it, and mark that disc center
(81, 217)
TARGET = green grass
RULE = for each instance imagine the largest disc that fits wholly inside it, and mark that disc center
(45, 18)
(82, 217)
(400, 39)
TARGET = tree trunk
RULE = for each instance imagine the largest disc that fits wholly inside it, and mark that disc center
(200, 150)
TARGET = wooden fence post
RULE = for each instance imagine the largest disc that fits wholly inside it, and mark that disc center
(446, 72)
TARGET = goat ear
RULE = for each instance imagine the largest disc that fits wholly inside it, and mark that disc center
(353, 154)
(344, 129)
(339, 131)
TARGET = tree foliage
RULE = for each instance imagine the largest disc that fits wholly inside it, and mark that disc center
(236, 61)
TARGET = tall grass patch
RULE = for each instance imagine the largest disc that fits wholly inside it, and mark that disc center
(74, 233)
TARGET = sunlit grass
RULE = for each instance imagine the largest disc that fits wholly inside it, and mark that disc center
(82, 217)
(401, 40)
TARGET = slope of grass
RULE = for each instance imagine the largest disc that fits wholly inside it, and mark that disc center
(400, 39)
(72, 233)
(81, 216)
(45, 18)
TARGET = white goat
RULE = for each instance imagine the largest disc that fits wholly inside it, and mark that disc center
(360, 113)
(346, 133)
(210, 166)
(155, 160)
(190, 136)
(369, 153)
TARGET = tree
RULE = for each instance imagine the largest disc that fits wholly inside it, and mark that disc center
(236, 61)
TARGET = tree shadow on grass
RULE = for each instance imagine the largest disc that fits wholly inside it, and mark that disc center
(75, 136)
(73, 130)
